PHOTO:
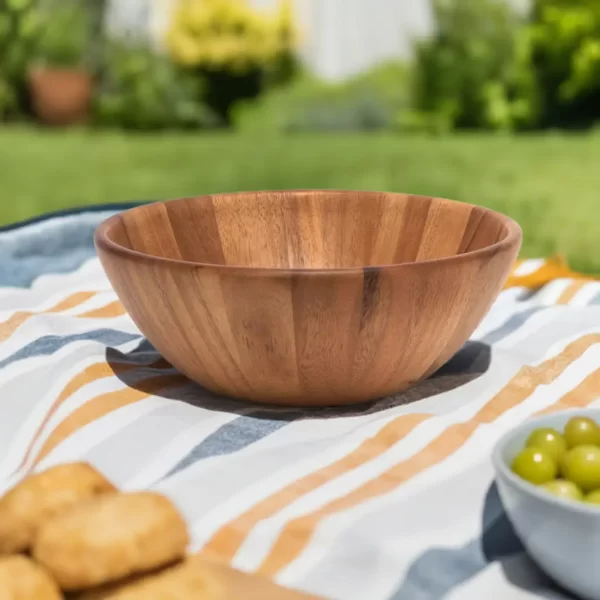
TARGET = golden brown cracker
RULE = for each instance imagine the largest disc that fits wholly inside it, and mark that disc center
(42, 496)
(22, 579)
(111, 538)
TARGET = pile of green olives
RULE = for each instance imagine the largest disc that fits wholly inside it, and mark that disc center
(564, 464)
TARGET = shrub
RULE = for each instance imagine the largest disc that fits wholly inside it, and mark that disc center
(145, 91)
(237, 49)
(366, 102)
(64, 37)
(20, 25)
(564, 58)
(463, 73)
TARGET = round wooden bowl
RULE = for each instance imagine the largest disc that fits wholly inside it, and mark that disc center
(308, 297)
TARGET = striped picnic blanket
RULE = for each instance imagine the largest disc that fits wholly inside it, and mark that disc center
(390, 500)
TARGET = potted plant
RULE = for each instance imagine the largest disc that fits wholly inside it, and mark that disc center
(60, 85)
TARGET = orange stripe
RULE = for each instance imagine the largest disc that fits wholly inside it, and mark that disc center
(8, 327)
(72, 301)
(571, 291)
(587, 391)
(296, 535)
(104, 404)
(553, 268)
(88, 375)
(227, 541)
(114, 309)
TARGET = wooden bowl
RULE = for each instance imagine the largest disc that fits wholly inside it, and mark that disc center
(308, 297)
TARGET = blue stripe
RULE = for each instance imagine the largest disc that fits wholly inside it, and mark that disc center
(519, 320)
(50, 344)
(516, 321)
(79, 210)
(232, 437)
(61, 248)
(436, 572)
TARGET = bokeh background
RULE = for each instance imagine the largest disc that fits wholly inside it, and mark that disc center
(493, 102)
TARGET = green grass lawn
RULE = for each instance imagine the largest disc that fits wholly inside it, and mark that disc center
(549, 183)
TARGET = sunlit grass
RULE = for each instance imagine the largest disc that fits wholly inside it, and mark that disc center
(549, 183)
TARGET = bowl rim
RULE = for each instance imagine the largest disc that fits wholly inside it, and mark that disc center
(529, 489)
(513, 238)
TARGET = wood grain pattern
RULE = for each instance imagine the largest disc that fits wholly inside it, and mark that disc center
(308, 297)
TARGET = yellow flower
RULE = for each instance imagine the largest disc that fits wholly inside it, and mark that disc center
(184, 49)
(198, 18)
(229, 34)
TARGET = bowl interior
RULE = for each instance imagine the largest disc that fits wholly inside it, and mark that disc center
(312, 230)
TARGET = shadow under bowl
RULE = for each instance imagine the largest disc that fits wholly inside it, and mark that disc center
(308, 298)
(561, 536)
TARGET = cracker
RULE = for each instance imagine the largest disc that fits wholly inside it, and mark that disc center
(22, 579)
(42, 496)
(111, 538)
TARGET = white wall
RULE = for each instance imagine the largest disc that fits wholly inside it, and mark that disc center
(344, 37)
(129, 16)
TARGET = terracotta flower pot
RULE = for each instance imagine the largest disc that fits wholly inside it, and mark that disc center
(61, 97)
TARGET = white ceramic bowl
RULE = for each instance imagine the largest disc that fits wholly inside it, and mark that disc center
(562, 537)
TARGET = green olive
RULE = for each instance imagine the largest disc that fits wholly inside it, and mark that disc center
(581, 465)
(549, 440)
(593, 497)
(561, 488)
(535, 466)
(582, 431)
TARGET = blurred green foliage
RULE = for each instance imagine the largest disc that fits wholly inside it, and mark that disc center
(53, 34)
(20, 25)
(64, 37)
(461, 71)
(564, 59)
(142, 90)
(486, 68)
(369, 101)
